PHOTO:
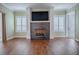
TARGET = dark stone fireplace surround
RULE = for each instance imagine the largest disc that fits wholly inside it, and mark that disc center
(40, 30)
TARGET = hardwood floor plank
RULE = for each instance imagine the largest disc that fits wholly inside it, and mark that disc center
(57, 46)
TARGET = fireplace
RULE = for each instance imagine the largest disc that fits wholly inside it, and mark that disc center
(40, 31)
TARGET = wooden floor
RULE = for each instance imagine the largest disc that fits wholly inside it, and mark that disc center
(57, 46)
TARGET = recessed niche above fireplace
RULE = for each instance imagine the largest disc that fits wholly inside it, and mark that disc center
(40, 16)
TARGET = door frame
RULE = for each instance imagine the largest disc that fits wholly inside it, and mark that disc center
(74, 25)
(3, 28)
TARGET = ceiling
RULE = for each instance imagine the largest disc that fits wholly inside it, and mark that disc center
(23, 6)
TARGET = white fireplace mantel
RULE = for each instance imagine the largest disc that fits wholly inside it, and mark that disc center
(28, 14)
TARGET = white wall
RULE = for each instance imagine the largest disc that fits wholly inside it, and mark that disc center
(51, 23)
(28, 14)
(9, 18)
(0, 26)
(10, 24)
(76, 9)
(77, 23)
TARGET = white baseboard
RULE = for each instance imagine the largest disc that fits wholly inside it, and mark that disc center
(59, 36)
(16, 37)
(19, 36)
(9, 38)
(29, 38)
(77, 40)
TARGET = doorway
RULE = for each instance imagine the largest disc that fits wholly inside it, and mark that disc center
(71, 25)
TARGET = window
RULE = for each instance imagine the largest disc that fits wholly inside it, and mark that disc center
(56, 23)
(59, 23)
(21, 23)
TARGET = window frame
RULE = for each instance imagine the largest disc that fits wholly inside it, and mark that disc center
(58, 17)
(20, 25)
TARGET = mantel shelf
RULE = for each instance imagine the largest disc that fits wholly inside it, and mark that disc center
(40, 21)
